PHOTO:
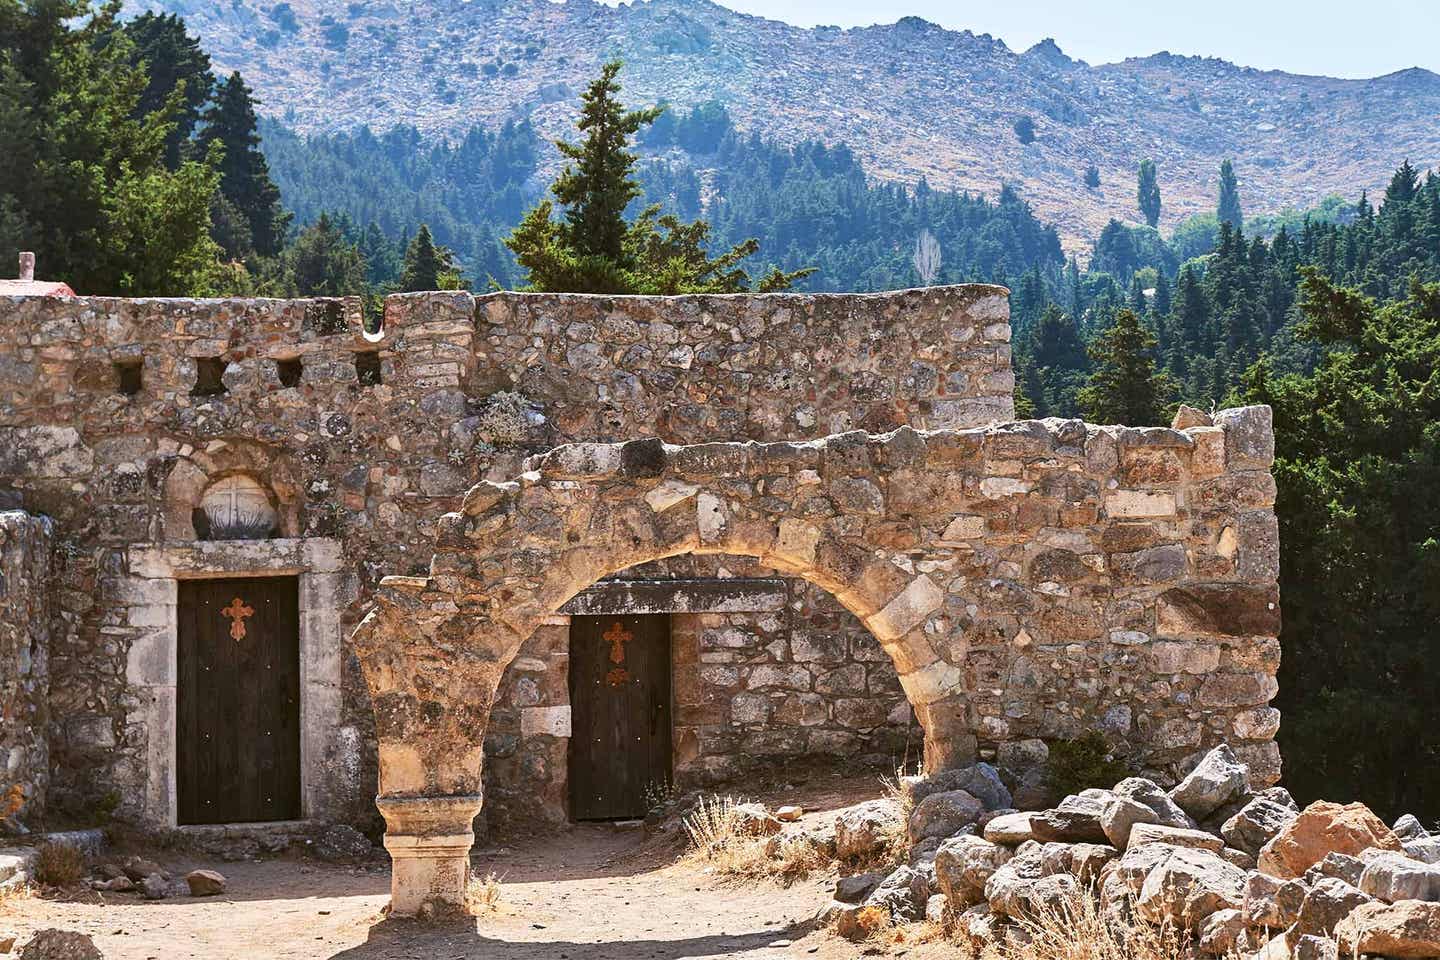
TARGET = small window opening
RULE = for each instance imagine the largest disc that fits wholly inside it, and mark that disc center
(289, 371)
(129, 376)
(209, 376)
(367, 368)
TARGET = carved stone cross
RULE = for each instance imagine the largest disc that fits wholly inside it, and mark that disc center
(237, 612)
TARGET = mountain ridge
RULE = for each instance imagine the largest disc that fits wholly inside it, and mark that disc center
(913, 99)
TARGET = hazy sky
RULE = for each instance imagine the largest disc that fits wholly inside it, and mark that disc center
(1343, 38)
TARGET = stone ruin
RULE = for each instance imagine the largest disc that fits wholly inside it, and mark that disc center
(859, 553)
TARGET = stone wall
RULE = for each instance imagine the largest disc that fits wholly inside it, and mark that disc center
(26, 610)
(364, 442)
(1029, 582)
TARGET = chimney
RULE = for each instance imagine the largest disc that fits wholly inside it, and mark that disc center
(27, 266)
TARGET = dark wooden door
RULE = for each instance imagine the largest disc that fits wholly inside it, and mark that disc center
(237, 741)
(620, 715)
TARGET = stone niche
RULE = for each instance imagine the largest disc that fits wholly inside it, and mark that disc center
(236, 508)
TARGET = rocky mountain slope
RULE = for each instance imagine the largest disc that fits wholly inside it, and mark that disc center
(911, 98)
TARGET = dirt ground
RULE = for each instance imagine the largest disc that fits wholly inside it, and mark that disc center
(588, 892)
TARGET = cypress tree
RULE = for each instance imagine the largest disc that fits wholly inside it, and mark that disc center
(1228, 210)
(1147, 193)
(244, 174)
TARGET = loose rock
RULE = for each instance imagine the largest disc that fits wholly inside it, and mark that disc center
(1256, 824)
(1011, 829)
(55, 944)
(864, 830)
(1188, 886)
(205, 883)
(1322, 828)
(964, 864)
(1075, 820)
(1393, 876)
(1327, 903)
(1410, 928)
(342, 843)
(944, 814)
(1143, 833)
(1219, 778)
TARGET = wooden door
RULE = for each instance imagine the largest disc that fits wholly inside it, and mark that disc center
(620, 715)
(237, 740)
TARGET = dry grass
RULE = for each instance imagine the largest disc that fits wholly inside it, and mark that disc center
(719, 840)
(897, 836)
(60, 865)
(483, 896)
(1079, 930)
(13, 892)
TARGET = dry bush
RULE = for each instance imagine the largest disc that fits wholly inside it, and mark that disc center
(720, 839)
(13, 891)
(483, 896)
(897, 835)
(60, 865)
(1079, 930)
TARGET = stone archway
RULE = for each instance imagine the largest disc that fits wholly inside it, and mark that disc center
(964, 552)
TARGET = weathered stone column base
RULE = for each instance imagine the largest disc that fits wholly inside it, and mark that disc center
(429, 840)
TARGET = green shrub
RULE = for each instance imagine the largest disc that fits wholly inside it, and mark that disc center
(1086, 761)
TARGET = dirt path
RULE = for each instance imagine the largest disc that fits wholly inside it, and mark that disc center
(581, 893)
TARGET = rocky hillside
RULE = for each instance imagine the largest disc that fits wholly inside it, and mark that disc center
(911, 98)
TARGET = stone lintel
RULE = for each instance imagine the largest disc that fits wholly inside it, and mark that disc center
(622, 597)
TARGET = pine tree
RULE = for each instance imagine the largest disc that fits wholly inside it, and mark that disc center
(594, 249)
(322, 263)
(1228, 210)
(1124, 387)
(1147, 193)
(244, 173)
(428, 267)
(175, 66)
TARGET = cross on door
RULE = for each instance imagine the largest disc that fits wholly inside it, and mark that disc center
(237, 612)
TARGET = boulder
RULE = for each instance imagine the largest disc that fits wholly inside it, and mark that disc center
(1322, 828)
(1120, 815)
(1425, 849)
(855, 888)
(1219, 778)
(980, 923)
(1221, 932)
(1256, 824)
(1188, 886)
(342, 843)
(1239, 858)
(789, 813)
(1341, 866)
(1309, 947)
(1392, 876)
(1012, 896)
(138, 868)
(155, 887)
(865, 829)
(1410, 928)
(1143, 833)
(980, 780)
(964, 864)
(925, 850)
(1153, 796)
(55, 944)
(1408, 827)
(205, 883)
(1279, 795)
(896, 895)
(1327, 903)
(1075, 820)
(944, 814)
(1088, 860)
(1135, 865)
(1273, 903)
(936, 908)
(1011, 829)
